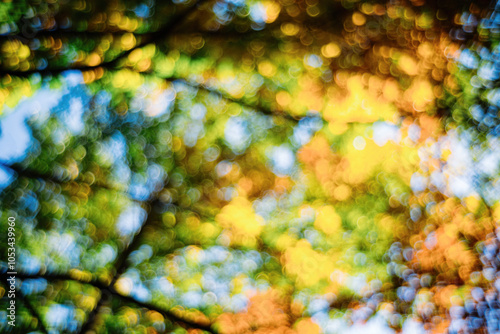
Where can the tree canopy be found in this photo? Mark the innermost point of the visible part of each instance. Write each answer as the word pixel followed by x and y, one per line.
pixel 240 166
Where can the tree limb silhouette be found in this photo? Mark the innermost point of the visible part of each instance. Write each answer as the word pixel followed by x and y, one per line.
pixel 113 292
pixel 25 300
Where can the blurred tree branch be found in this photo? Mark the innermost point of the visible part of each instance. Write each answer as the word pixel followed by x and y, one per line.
pixel 164 32
pixel 120 264
pixel 34 312
pixel 113 292
pixel 33 174
pixel 257 107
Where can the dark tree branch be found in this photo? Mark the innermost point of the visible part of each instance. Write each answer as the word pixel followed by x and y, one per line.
pixel 257 107
pixel 68 33
pixel 167 314
pixel 33 174
pixel 90 320
pixel 146 38
pixel 166 31
pixel 27 304
pixel 34 312
pixel 113 292
pixel 120 264
pixel 113 66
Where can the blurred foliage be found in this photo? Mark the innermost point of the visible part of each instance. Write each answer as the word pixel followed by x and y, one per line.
pixel 258 166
